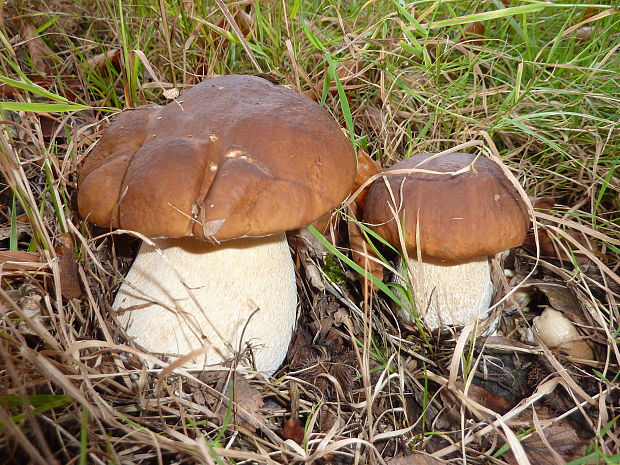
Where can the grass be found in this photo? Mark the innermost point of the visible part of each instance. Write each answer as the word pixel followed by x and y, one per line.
pixel 533 83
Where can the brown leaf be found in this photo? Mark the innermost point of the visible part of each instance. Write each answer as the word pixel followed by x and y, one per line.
pixel 348 74
pixel 50 126
pixel 70 88
pixel 491 401
pixel 552 246
pixel 246 406
pixel 99 62
pixel 477 394
pixel 309 251
pixel 243 20
pixel 562 440
pixel 69 280
pixel 292 430
pixel 374 117
pixel 473 33
pixel 366 169
pixel 543 203
pixel 40 54
pixel 327 419
pixel 347 70
pixel 588 13
pixel 561 298
pixel 360 250
pixel 416 459
pixel 363 254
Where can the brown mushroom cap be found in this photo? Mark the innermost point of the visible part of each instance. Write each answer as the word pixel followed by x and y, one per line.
pixel 234 156
pixel 460 217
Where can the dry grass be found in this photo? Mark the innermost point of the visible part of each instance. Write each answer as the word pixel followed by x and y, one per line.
pixel 538 89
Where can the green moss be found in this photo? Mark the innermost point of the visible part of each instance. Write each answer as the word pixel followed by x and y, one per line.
pixel 332 270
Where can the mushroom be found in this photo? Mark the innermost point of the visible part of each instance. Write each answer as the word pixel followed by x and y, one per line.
pixel 558 333
pixel 452 219
pixel 215 178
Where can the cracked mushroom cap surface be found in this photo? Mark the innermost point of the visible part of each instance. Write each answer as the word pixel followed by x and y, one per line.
pixel 459 217
pixel 234 156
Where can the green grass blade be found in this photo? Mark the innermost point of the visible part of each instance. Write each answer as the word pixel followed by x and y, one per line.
pixel 33 88
pixel 489 15
pixel 42 107
pixel 380 284
pixel 84 437
pixel 13 233
pixel 42 403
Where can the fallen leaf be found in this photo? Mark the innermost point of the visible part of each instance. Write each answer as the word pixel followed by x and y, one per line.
pixel 348 73
pixel 243 19
pixel 361 251
pixel 588 13
pixel 543 203
pixel 69 280
pixel 562 440
pixel 363 254
pixel 100 61
pixel 292 430
pixel 478 395
pixel 70 88
pixel 50 126
pixel 40 54
pixel 374 117
pixel 327 419
pixel 553 246
pixel 366 169
pixel 474 32
pixel 246 403
pixel 485 398
pixel 416 459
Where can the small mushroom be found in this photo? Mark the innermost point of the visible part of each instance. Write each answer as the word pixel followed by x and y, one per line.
pixel 453 219
pixel 558 333
pixel 215 178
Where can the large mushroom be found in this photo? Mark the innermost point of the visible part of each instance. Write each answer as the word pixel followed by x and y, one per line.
pixel 214 178
pixel 452 220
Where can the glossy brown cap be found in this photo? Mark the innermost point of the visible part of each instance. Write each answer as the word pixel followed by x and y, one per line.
pixel 234 156
pixel 460 217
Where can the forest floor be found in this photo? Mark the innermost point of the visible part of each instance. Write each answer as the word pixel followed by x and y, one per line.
pixel 532 83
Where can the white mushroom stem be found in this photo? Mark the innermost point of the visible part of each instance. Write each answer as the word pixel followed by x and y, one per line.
pixel 447 295
pixel 230 281
pixel 558 333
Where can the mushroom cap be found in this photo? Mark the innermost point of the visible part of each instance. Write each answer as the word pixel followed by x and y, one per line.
pixel 234 156
pixel 459 217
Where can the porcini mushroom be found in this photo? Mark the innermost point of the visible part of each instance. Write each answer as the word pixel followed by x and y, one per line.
pixel 215 178
pixel 451 224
